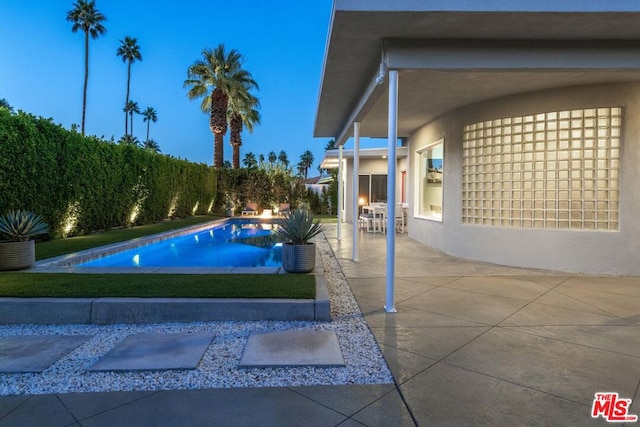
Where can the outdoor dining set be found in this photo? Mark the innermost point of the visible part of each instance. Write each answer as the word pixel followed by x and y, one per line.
pixel 373 217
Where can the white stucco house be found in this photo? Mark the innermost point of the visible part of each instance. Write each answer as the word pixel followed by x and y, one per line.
pixel 521 121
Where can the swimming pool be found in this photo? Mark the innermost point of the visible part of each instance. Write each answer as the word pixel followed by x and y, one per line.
pixel 234 243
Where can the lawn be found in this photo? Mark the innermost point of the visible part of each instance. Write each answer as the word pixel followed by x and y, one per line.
pixel 67 285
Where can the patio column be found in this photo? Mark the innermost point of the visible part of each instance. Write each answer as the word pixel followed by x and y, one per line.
pixel 391 191
pixel 356 189
pixel 339 190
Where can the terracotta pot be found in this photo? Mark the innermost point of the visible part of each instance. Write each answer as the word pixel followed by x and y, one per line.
pixel 299 258
pixel 17 255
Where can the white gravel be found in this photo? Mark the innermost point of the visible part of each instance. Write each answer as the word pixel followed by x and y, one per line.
pixel 219 366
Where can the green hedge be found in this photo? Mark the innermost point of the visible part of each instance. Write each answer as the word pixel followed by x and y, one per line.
pixel 60 174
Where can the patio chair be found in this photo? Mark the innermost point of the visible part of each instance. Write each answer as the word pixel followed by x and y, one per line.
pixel 284 209
pixel 250 209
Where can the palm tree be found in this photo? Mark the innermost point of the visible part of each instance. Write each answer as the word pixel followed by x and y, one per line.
pixel 272 157
pixel 5 104
pixel 214 77
pixel 306 160
pixel 150 115
pixel 130 140
pixel 130 52
pixel 242 113
pixel 86 17
pixel 250 160
pixel 282 156
pixel 151 145
pixel 130 108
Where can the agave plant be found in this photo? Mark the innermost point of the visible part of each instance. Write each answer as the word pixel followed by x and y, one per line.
pixel 298 227
pixel 20 225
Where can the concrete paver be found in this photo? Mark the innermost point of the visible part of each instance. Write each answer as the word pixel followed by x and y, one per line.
pixel 139 352
pixel 292 348
pixel 35 353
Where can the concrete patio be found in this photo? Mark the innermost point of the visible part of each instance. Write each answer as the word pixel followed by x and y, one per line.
pixel 471 344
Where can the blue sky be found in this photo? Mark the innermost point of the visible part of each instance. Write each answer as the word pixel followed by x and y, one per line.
pixel 283 42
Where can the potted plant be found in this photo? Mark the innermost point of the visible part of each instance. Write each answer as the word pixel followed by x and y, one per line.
pixel 19 251
pixel 298 254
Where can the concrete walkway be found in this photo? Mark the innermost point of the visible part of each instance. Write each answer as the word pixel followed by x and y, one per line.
pixel 471 344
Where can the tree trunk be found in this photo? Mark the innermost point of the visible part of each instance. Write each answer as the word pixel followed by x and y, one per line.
pixel 236 156
pixel 218 149
pixel 148 123
pixel 86 79
pixel 218 124
pixel 126 101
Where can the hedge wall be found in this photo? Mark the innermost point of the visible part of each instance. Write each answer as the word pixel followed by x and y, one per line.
pixel 81 184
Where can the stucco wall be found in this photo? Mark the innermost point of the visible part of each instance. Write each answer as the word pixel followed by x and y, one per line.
pixel 595 252
pixel 370 166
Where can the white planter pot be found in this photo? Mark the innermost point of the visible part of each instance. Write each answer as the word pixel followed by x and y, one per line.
pixel 17 255
pixel 298 258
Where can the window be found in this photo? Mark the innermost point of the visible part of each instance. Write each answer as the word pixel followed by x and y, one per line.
pixel 430 176
pixel 372 189
pixel 550 170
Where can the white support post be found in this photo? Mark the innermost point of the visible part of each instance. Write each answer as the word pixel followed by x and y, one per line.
pixel 391 191
pixel 340 184
pixel 356 189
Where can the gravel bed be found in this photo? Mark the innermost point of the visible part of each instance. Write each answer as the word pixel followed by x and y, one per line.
pixel 219 366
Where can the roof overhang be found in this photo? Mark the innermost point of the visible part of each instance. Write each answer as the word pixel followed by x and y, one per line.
pixel 331 160
pixel 454 53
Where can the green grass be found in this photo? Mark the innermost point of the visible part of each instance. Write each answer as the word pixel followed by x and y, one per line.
pixel 57 247
pixel 67 285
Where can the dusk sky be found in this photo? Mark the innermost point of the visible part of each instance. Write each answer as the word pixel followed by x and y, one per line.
pixel 282 41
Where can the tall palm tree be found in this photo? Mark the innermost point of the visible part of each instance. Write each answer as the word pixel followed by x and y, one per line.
pixel 306 160
pixel 242 112
pixel 150 115
pixel 130 52
pixel 86 17
pixel 213 77
pixel 131 108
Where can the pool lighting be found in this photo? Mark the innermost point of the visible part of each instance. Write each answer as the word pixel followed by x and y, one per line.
pixel 136 260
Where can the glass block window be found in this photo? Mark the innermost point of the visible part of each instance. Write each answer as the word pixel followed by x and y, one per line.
pixel 552 170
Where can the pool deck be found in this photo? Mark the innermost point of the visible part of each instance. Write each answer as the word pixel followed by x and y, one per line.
pixel 472 344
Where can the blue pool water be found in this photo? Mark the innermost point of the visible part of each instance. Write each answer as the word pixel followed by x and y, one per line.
pixel 236 244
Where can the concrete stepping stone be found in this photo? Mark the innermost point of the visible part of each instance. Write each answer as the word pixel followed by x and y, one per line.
pixel 35 353
pixel 146 352
pixel 292 348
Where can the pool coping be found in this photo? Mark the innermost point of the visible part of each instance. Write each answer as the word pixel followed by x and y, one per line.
pixel 108 310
